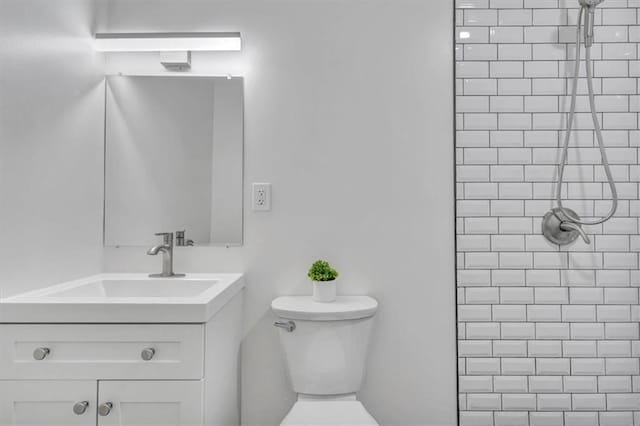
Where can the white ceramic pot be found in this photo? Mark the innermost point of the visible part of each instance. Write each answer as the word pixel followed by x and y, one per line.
pixel 324 291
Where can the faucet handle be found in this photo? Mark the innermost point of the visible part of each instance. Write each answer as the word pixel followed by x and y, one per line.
pixel 571 226
pixel 167 237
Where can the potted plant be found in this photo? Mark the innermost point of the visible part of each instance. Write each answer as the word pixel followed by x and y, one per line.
pixel 323 277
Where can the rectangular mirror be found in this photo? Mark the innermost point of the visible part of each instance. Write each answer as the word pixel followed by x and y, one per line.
pixel 173 159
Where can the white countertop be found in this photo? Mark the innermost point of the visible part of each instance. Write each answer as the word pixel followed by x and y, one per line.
pixel 125 298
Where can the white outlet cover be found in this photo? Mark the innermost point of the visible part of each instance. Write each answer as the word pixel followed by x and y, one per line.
pixel 261 196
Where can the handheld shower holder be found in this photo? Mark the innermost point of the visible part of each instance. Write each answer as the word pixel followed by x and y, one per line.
pixel 589 8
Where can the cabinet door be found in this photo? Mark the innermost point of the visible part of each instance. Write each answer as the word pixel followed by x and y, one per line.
pixel 47 403
pixel 157 403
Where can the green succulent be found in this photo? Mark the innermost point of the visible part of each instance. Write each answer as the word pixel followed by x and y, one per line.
pixel 322 271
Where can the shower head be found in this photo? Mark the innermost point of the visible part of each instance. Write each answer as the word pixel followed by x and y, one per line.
pixel 590 3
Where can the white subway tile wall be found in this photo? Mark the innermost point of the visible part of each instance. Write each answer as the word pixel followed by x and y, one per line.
pixel 548 335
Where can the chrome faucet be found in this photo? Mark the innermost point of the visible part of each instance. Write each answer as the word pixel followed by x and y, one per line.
pixel 166 248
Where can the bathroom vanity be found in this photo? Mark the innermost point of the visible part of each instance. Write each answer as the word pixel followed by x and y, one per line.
pixel 128 349
pixel 123 349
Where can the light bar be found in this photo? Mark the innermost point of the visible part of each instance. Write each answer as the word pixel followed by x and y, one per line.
pixel 167 42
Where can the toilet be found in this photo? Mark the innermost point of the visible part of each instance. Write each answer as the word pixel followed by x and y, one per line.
pixel 325 346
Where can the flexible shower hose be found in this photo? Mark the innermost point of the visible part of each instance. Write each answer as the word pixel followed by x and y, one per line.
pixel 598 132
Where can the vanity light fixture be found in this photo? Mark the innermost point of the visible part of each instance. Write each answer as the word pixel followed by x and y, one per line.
pixel 167 42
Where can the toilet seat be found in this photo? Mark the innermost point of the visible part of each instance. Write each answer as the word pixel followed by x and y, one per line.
pixel 334 413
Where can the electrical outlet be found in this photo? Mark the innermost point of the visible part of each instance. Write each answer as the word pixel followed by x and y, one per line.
pixel 262 197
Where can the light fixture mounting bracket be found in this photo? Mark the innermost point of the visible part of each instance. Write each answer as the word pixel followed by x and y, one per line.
pixel 176 61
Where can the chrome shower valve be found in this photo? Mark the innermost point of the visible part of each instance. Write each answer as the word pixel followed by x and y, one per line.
pixel 559 227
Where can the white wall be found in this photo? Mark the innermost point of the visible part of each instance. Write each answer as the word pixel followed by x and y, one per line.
pixel 349 115
pixel 51 103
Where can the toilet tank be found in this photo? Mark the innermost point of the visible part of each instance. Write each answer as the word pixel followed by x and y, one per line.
pixel 327 350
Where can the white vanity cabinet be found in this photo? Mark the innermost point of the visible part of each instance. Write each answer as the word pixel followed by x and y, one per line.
pixel 122 374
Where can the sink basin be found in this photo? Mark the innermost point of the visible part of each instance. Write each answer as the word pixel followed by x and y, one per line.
pixel 125 298
pixel 108 288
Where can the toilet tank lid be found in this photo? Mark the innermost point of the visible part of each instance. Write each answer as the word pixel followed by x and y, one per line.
pixel 305 308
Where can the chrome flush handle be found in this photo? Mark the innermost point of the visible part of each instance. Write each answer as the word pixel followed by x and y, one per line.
pixel 289 326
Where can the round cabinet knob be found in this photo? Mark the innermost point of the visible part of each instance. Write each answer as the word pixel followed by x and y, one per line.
pixel 105 409
pixel 147 354
pixel 41 353
pixel 80 407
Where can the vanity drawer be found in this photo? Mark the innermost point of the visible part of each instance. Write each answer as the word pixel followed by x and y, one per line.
pixel 101 351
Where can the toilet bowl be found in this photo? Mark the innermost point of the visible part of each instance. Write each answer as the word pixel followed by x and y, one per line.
pixel 315 413
pixel 325 347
